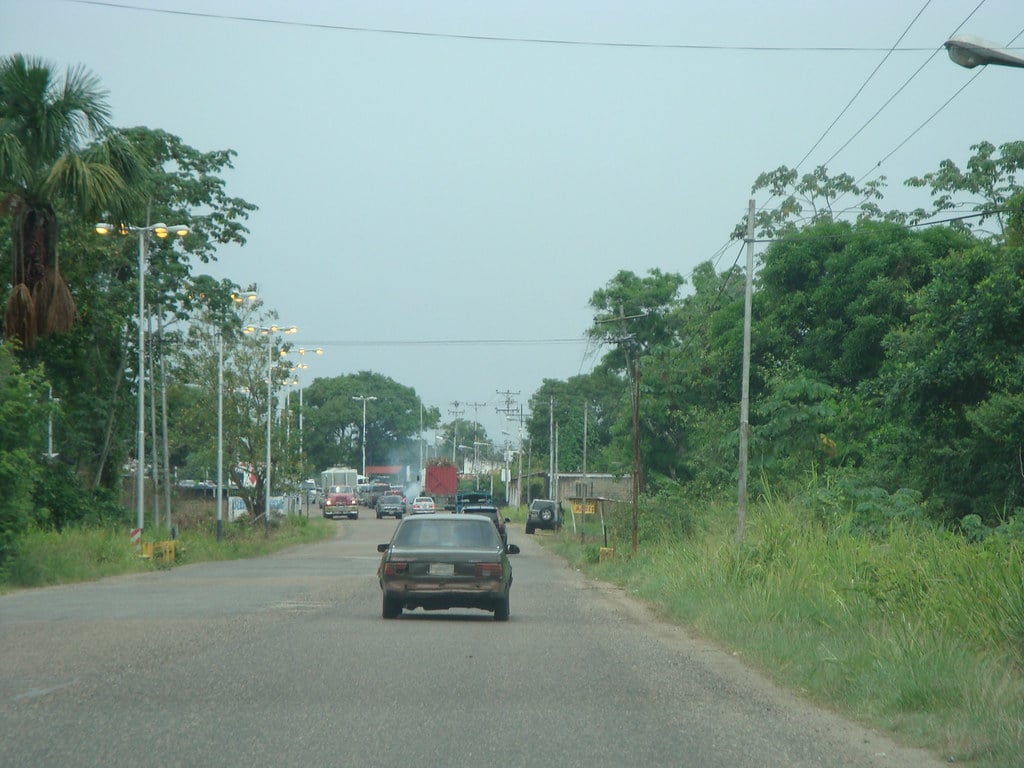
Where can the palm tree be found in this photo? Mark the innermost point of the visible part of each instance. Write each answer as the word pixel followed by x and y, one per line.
pixel 55 148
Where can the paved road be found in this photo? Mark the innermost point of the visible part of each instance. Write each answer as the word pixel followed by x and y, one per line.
pixel 285 661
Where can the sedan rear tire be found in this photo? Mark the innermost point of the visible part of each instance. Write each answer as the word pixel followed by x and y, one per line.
pixel 392 607
pixel 501 609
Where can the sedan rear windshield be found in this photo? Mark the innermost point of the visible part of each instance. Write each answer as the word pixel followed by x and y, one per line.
pixel 447 534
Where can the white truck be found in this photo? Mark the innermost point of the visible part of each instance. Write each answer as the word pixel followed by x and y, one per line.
pixel 339 476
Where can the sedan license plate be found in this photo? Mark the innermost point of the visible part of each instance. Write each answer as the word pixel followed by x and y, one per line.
pixel 442 569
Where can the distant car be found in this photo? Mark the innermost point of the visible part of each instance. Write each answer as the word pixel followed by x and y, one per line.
pixel 390 505
pixel 422 505
pixel 310 488
pixel 492 514
pixel 340 501
pixel 374 492
pixel 544 513
pixel 442 561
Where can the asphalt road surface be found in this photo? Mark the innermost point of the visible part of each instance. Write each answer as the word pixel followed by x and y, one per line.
pixel 286 661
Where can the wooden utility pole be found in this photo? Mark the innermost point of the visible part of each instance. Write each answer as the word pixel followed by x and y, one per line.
pixel 636 450
pixel 741 511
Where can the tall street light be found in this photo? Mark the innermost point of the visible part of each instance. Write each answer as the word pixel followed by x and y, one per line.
pixel 301 366
pixel 161 231
pixel 237 298
pixel 269 332
pixel 970 51
pixel 362 435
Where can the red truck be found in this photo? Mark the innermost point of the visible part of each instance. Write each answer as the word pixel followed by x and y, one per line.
pixel 442 483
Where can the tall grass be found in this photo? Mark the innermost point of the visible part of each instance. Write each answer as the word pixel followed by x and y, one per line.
pixel 914 630
pixel 86 553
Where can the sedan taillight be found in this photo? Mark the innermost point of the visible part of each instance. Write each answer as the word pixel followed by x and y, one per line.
pixel 395 567
pixel 489 570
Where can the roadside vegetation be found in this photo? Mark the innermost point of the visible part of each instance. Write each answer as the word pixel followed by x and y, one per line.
pixel 91 551
pixel 906 627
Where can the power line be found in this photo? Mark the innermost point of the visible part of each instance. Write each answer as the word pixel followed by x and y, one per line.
pixel 498 38
pixel 858 92
pixel 440 342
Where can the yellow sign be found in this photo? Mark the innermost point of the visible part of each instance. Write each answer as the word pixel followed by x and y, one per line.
pixel 577 505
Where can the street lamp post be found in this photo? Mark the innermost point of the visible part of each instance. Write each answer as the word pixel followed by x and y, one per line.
pixel 362 435
pixel 269 333
pixel 969 51
pixel 161 231
pixel 301 366
pixel 476 461
pixel 237 298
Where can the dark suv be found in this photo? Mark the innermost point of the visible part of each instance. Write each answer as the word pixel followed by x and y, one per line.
pixel 544 513
pixel 390 505
pixel 492 512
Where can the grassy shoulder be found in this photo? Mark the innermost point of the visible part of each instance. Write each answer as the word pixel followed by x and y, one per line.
pixel 917 632
pixel 45 558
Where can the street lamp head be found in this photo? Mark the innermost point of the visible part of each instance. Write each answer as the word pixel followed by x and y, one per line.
pixel 970 51
pixel 160 230
pixel 270 330
pixel 241 298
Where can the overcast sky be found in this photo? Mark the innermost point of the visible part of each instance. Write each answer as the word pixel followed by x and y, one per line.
pixel 442 184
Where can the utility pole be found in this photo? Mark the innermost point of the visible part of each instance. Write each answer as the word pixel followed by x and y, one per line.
pixel 476 438
pixel 456 412
pixel 509 411
pixel 519 481
pixel 583 501
pixel 741 511
pixel 551 449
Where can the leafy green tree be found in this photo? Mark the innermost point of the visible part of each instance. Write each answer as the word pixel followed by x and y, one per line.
pixel 460 432
pixel 989 185
pixel 954 376
pixel 23 418
pixel 828 296
pixel 690 388
pixel 812 198
pixel 216 315
pixel 55 147
pixel 604 392
pixel 631 315
pixel 333 421
pixel 60 161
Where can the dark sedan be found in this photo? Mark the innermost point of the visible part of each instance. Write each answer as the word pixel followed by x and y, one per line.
pixel 436 562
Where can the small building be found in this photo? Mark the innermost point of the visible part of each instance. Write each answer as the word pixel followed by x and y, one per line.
pixel 569 486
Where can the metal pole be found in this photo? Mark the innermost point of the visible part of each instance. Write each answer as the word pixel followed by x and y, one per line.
pixel 551 449
pixel 519 478
pixel 362 436
pixel 741 512
pixel 266 507
pixel 163 420
pixel 220 434
pixel 140 445
pixel 636 450
pixel 583 508
pixel 155 468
